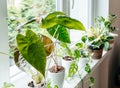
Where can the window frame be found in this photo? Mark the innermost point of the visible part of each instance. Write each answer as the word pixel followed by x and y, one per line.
pixel 4 68
pixel 4 61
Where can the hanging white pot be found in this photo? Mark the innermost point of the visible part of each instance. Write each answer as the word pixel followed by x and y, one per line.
pixel 66 64
pixel 56 78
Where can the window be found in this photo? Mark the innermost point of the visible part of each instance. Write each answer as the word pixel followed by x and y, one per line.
pixel 19 12
pixel 79 9
pixel 82 11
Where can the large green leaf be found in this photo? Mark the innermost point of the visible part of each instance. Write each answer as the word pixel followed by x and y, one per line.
pixel 48 23
pixel 51 19
pixel 54 15
pixel 70 23
pixel 59 18
pixel 59 33
pixel 32 49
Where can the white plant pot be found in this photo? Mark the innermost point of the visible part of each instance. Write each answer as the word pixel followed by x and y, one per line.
pixel 56 78
pixel 82 63
pixel 66 64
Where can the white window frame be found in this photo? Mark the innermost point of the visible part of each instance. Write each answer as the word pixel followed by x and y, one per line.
pixel 4 59
pixel 64 6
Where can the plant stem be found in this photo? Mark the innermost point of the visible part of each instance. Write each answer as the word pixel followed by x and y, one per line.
pixel 4 53
pixel 54 56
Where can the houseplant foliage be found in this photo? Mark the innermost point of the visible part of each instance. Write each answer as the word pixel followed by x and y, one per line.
pixel 32 49
pixel 24 11
pixel 57 24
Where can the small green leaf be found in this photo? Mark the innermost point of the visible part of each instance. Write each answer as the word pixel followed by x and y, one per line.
pixel 92 81
pixel 32 49
pixel 49 84
pixel 106 46
pixel 77 53
pixel 87 68
pixel 84 38
pixel 59 33
pixel 73 69
pixel 80 45
pixel 110 38
pixel 107 24
pixel 91 38
pixel 56 86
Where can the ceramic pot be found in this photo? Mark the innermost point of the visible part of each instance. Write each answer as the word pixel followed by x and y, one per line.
pixel 97 54
pixel 56 78
pixel 111 43
pixel 66 64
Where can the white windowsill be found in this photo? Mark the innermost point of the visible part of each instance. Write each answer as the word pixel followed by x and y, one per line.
pixel 76 80
pixel 21 80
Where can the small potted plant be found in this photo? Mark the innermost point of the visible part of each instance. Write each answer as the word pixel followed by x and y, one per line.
pixel 107 25
pixel 81 52
pixel 67 56
pixel 57 24
pixel 32 48
pixel 99 36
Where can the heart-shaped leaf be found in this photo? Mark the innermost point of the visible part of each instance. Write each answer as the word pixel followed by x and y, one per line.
pixel 59 18
pixel 32 49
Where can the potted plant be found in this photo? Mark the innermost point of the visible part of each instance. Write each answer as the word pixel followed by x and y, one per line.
pixel 32 48
pixel 82 53
pixel 57 24
pixel 83 58
pixel 99 36
pixel 107 25
pixel 67 56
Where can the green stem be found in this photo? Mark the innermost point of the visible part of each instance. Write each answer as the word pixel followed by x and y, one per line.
pixel 4 53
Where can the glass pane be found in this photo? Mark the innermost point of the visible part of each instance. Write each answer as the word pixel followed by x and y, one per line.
pixel 79 10
pixel 21 11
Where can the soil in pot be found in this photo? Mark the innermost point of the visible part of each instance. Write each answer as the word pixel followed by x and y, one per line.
pixel 68 58
pixel 56 77
pixel 57 69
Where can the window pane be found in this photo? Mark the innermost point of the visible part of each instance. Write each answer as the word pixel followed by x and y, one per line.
pixel 79 10
pixel 21 11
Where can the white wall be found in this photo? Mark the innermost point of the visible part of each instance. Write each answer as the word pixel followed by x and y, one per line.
pixel 101 8
pixel 4 60
pixel 114 8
